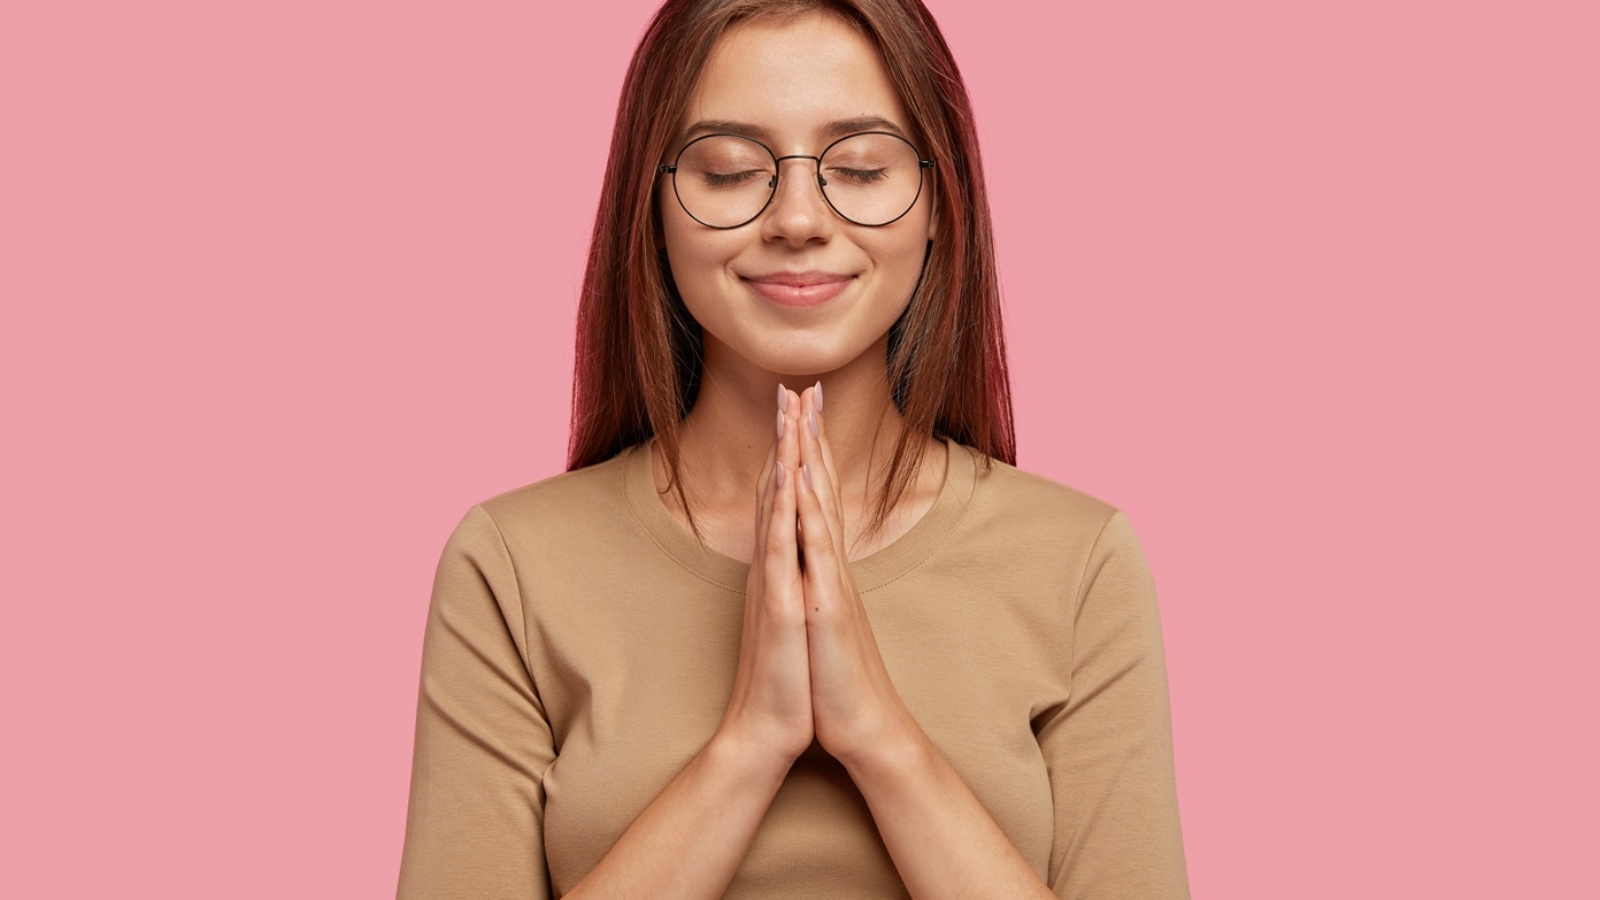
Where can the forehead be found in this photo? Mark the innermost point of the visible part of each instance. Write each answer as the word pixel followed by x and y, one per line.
pixel 794 79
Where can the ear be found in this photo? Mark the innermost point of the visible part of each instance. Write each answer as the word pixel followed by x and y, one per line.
pixel 933 206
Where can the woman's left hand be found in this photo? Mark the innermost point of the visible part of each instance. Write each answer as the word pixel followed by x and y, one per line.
pixel 855 707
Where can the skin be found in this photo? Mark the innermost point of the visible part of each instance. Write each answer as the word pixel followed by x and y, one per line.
pixel 776 479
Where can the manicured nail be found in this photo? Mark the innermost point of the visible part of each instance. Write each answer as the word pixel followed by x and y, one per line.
pixel 777 477
pixel 816 393
pixel 814 431
pixel 783 399
pixel 805 468
pixel 781 423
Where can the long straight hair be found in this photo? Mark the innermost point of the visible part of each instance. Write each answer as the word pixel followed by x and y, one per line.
pixel 639 352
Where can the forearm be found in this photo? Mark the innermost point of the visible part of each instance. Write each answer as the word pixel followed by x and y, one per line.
pixel 943 842
pixel 691 839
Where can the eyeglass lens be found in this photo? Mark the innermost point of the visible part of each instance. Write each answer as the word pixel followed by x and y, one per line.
pixel 724 180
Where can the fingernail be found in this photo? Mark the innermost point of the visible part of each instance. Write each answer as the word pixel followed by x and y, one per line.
pixel 805 468
pixel 781 423
pixel 777 477
pixel 783 399
pixel 814 431
pixel 816 392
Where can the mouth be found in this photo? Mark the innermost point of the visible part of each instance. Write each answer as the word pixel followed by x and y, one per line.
pixel 798 289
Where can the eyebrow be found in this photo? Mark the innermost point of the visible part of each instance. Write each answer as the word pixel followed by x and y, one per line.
pixel 831 131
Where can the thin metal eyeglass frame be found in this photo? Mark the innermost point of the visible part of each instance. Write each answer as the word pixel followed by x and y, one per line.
pixel 777 174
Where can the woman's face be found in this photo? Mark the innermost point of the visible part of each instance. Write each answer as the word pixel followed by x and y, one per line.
pixel 799 290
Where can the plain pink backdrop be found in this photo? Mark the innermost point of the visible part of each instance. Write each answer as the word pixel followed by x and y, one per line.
pixel 1309 289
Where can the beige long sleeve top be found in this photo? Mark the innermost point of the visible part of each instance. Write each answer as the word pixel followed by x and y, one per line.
pixel 580 649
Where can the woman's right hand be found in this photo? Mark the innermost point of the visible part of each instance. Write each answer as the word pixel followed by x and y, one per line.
pixel 770 710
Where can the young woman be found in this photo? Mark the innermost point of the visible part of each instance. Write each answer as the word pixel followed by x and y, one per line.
pixel 793 625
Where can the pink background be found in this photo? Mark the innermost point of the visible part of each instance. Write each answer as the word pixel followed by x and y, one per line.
pixel 1308 289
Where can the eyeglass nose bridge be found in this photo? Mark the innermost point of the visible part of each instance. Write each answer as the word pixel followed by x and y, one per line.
pixel 777 174
pixel 778 170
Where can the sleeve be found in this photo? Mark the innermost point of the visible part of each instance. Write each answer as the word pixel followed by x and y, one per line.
pixel 475 822
pixel 1108 747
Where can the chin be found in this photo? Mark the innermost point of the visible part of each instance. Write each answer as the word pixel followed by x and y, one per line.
pixel 804 365
pixel 798 358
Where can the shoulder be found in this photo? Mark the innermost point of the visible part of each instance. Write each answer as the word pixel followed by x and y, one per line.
pixel 1004 492
pixel 1054 531
pixel 1016 512
pixel 549 512
pixel 563 493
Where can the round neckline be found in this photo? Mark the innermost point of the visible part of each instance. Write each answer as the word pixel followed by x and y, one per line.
pixel 872 571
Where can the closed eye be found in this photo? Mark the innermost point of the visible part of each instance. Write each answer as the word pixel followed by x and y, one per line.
pixel 732 179
pixel 861 176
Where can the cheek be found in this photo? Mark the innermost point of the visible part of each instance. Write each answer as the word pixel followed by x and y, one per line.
pixel 698 259
pixel 902 257
pixel 684 247
pixel 669 218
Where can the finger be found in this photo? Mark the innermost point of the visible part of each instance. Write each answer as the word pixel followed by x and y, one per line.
pixel 786 454
pixel 766 481
pixel 780 558
pixel 789 447
pixel 817 539
pixel 827 449
pixel 811 456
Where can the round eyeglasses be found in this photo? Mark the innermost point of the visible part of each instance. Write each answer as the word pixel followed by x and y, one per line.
pixel 871 178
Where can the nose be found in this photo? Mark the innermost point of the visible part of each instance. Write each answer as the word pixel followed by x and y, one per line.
pixel 798 214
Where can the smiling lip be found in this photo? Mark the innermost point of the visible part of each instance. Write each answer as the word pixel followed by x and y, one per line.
pixel 799 288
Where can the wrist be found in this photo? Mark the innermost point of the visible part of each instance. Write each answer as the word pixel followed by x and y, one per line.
pixel 735 748
pixel 902 750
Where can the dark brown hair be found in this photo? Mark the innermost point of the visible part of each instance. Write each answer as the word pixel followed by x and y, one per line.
pixel 639 351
